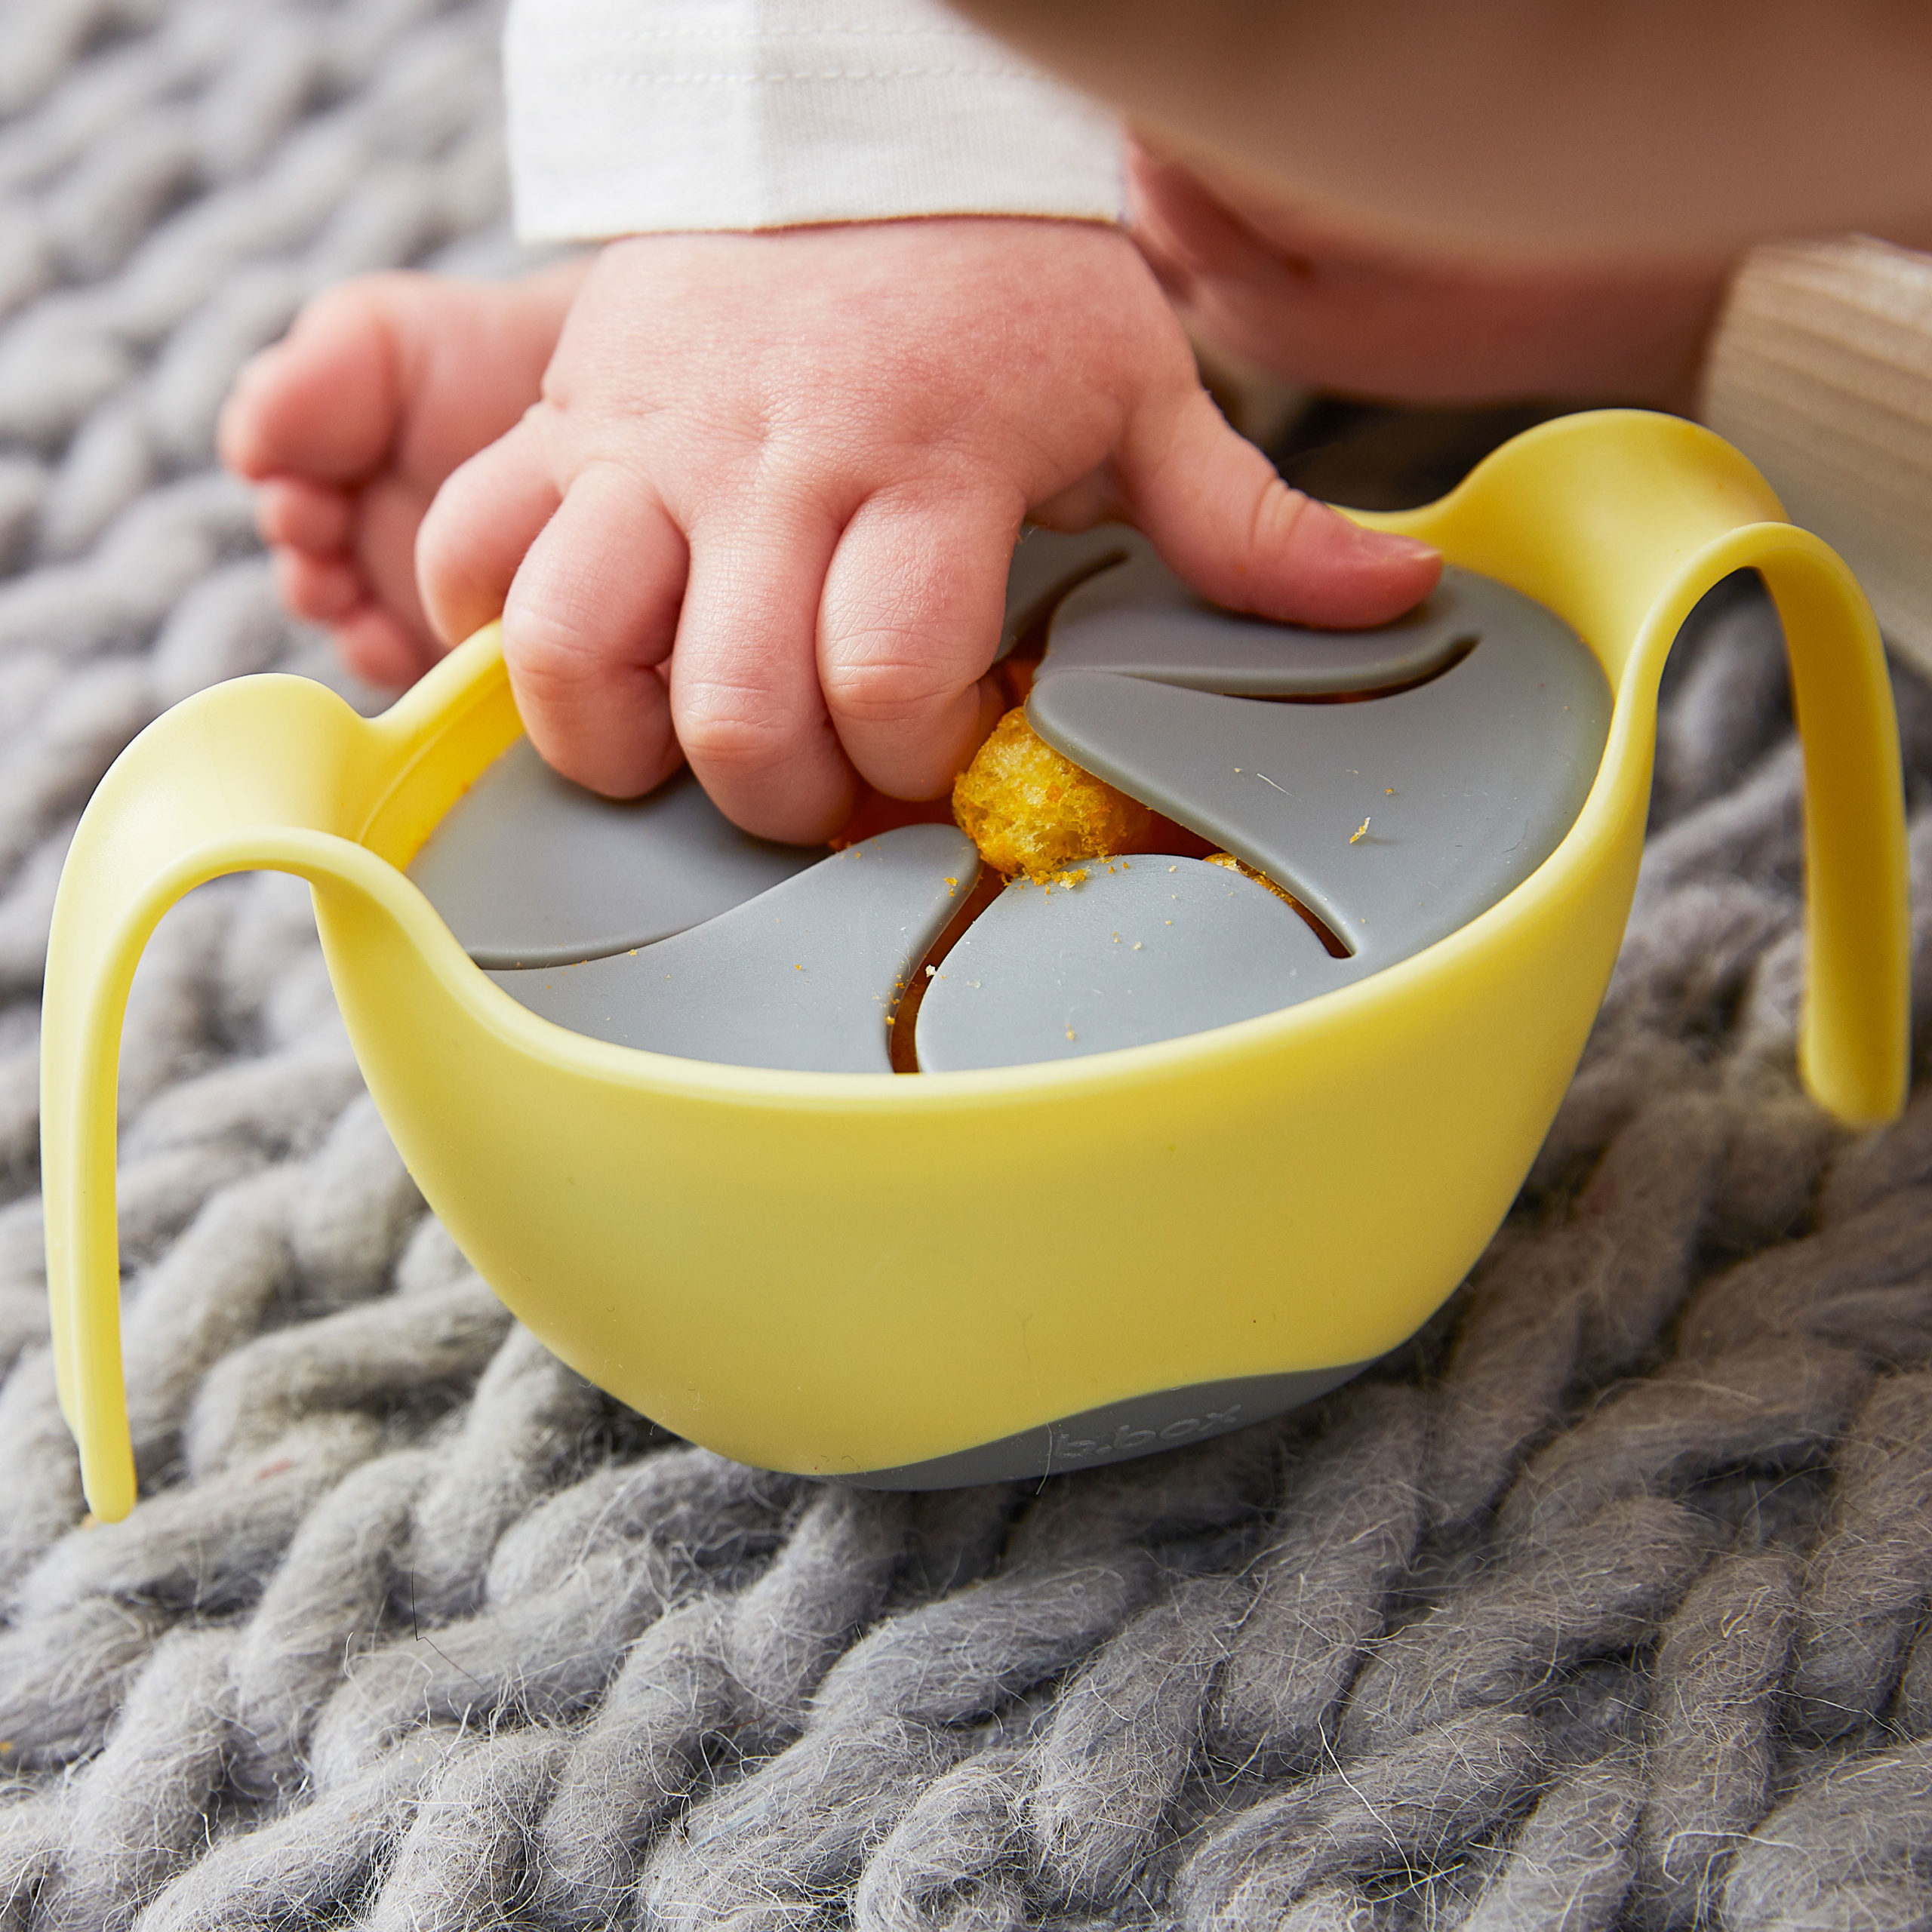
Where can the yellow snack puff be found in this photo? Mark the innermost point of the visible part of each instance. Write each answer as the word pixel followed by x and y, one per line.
pixel 1030 810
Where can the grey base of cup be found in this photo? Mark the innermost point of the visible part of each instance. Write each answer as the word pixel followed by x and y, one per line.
pixel 1116 1433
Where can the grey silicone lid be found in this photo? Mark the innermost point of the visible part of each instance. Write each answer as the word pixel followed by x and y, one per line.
pixel 802 977
pixel 1143 949
pixel 1396 819
pixel 1203 649
pixel 528 869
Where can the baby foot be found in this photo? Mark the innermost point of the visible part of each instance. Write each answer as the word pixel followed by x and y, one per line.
pixel 351 422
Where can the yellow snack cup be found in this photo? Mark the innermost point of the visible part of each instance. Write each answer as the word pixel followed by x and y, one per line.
pixel 795 1269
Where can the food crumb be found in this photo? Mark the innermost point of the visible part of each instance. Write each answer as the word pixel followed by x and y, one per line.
pixel 1358 832
pixel 1228 861
pixel 1070 1033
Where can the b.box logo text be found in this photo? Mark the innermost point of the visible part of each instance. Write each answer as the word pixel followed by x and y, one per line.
pixel 1126 1439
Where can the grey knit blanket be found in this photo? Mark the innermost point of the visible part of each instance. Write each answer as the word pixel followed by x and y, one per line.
pixel 1603 1603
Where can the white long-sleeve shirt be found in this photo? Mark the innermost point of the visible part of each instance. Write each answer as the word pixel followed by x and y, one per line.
pixel 648 116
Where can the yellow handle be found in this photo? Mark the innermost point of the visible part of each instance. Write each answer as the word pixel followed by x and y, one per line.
pixel 1620 520
pixel 1854 1036
pixel 268 773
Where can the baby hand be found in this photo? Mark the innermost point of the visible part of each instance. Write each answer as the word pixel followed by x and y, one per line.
pixel 803 458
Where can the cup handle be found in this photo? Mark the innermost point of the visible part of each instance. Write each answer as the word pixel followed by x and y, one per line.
pixel 1620 520
pixel 272 772
pixel 1855 1032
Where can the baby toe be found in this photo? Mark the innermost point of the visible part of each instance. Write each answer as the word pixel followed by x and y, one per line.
pixel 320 589
pixel 380 649
pixel 326 403
pixel 311 517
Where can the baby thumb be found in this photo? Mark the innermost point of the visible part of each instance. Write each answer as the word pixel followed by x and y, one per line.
pixel 1218 514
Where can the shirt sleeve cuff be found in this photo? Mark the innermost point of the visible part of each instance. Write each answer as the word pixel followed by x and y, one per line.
pixel 649 116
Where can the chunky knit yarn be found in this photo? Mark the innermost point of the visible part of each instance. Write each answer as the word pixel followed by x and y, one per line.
pixel 1602 1603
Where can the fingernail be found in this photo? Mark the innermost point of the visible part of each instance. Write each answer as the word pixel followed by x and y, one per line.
pixel 1405 547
